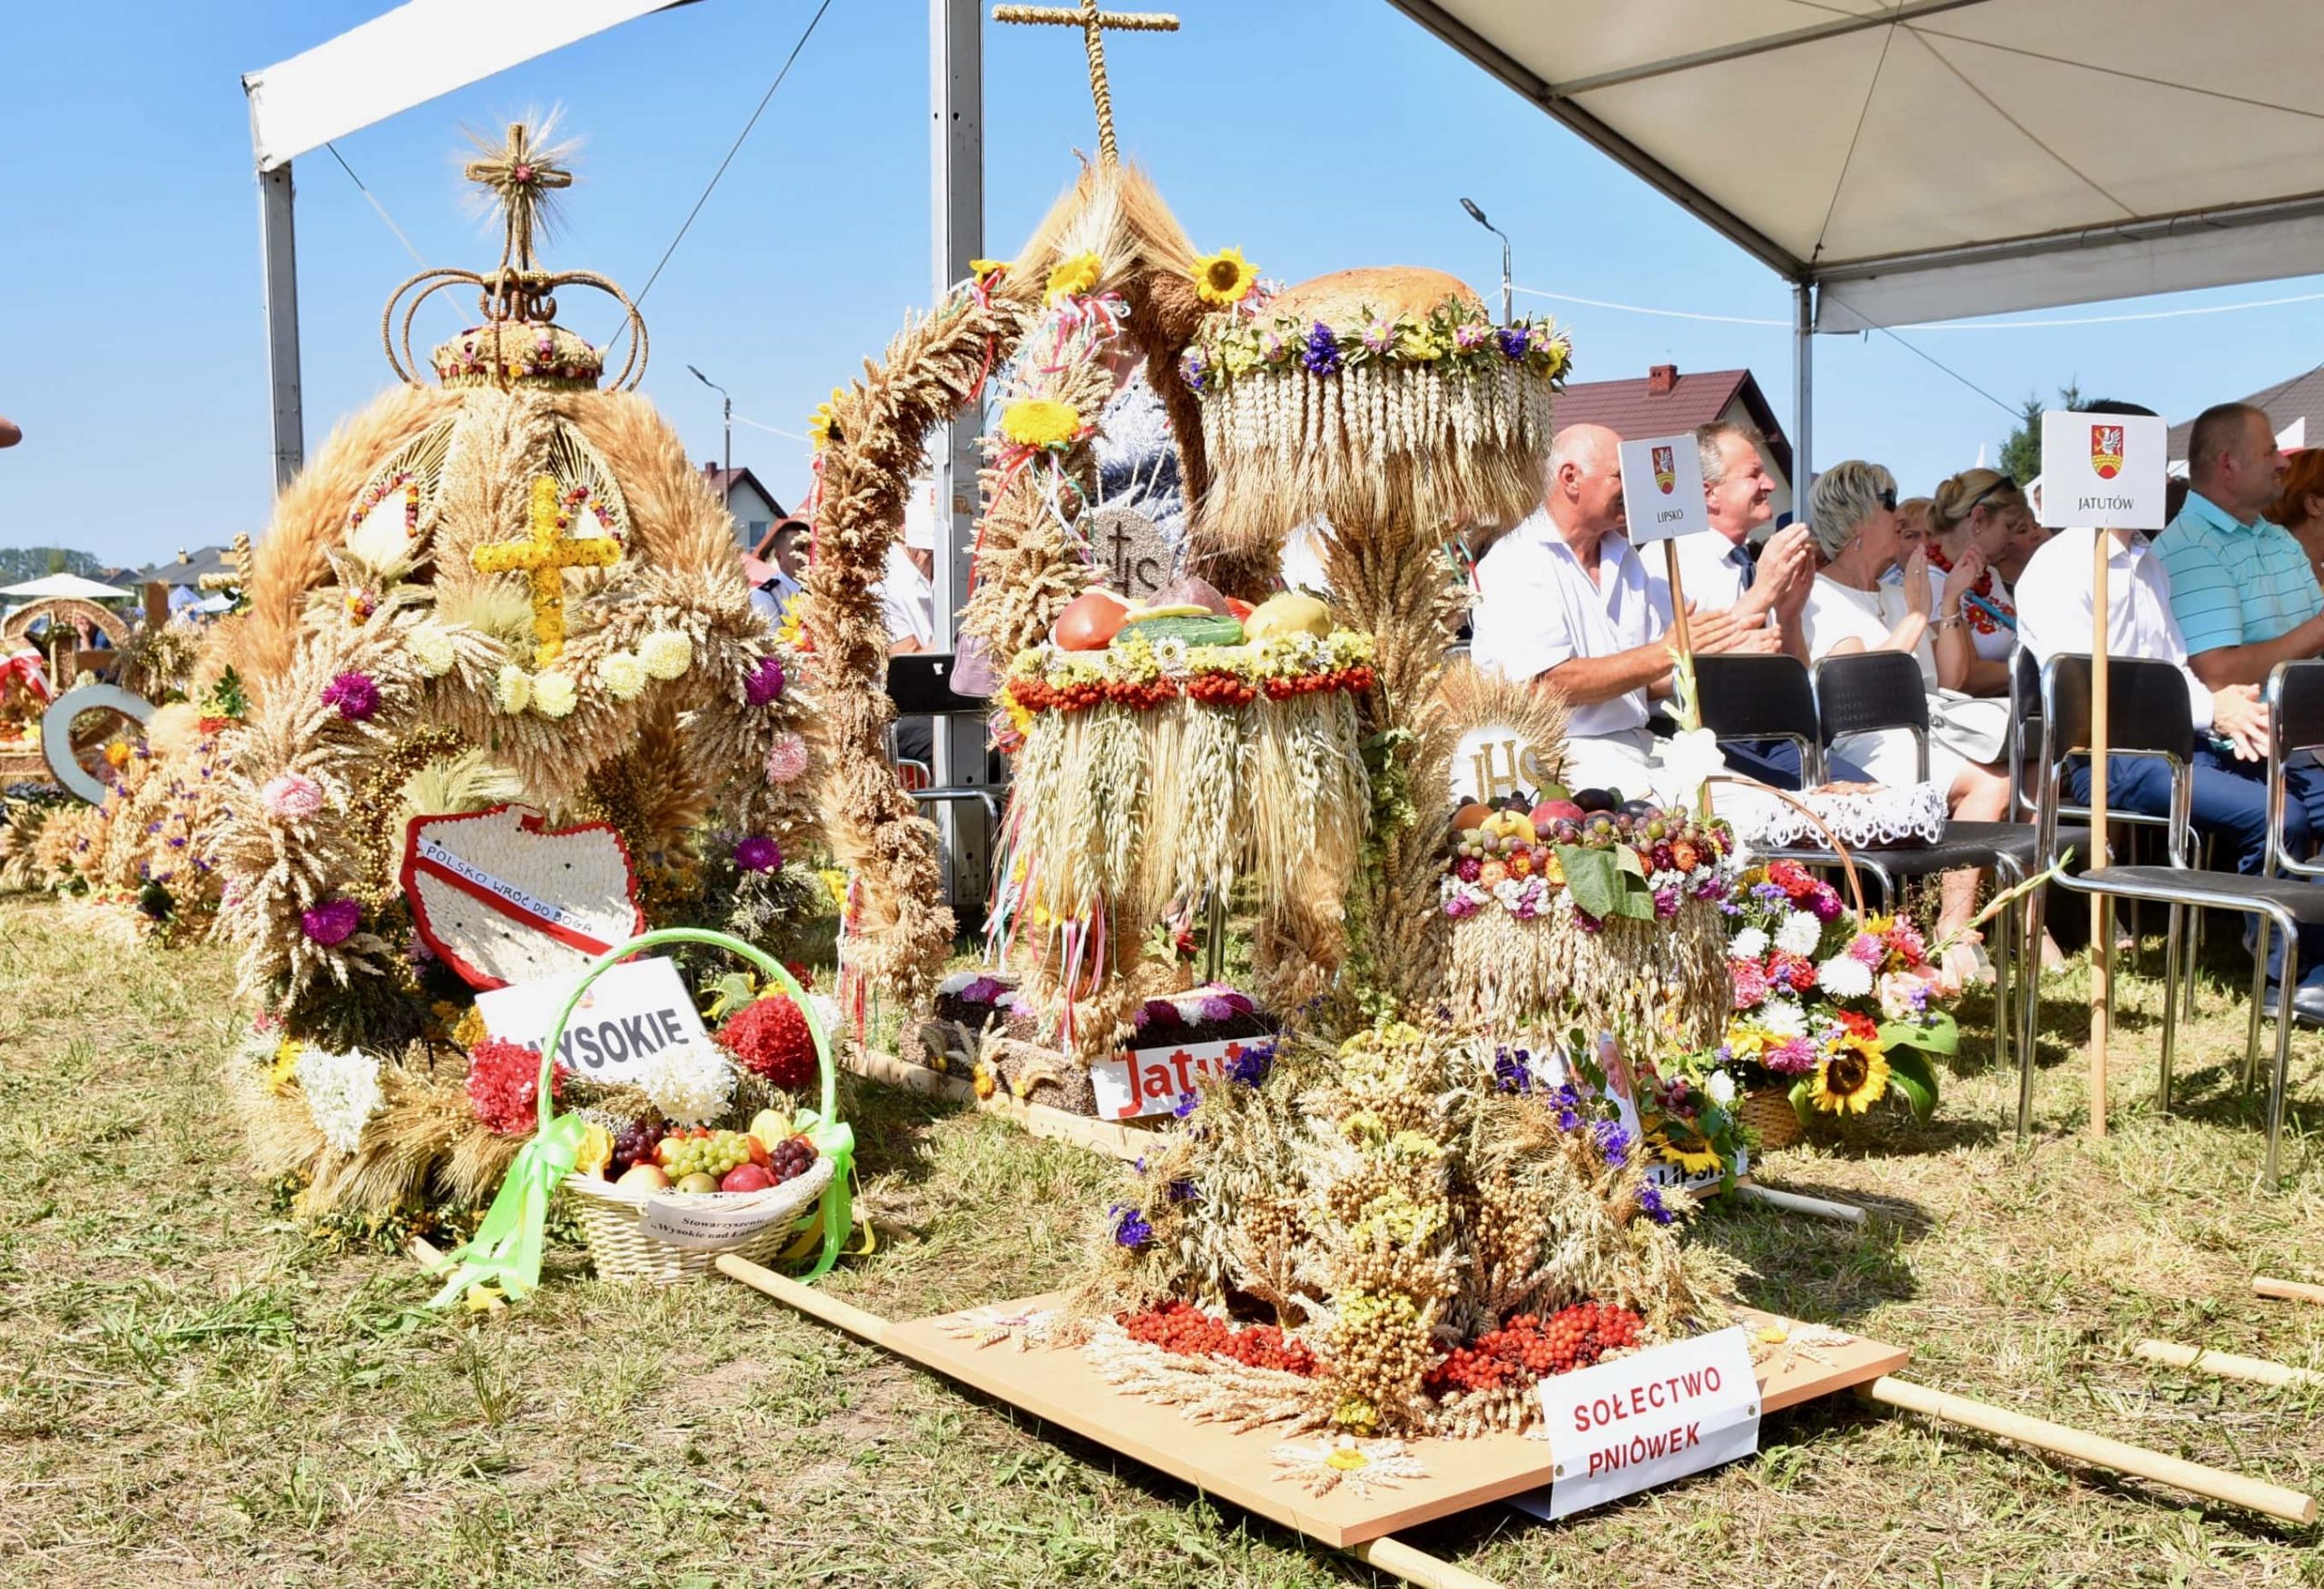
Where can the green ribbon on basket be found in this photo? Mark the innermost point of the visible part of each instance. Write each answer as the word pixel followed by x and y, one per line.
pixel 835 1141
pixel 506 1252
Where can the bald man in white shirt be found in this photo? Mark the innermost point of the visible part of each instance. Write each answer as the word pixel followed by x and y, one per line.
pixel 1563 600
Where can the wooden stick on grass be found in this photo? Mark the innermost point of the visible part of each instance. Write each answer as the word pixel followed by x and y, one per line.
pixel 1797 1203
pixel 2287 1290
pixel 2212 1483
pixel 2227 1365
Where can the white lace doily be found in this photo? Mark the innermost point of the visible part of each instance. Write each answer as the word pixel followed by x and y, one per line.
pixel 1868 816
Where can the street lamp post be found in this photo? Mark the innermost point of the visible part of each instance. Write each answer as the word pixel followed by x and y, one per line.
pixel 1507 316
pixel 729 402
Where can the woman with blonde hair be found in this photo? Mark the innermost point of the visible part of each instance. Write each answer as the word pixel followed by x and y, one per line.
pixel 1977 519
pixel 1852 511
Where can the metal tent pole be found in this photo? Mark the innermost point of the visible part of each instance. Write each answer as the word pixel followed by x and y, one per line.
pixel 1803 394
pixel 278 255
pixel 956 117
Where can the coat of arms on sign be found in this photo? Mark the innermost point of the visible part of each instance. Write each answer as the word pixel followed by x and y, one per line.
pixel 1666 468
pixel 501 898
pixel 2106 451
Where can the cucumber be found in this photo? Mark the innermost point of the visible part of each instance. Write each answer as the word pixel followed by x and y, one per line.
pixel 1207 629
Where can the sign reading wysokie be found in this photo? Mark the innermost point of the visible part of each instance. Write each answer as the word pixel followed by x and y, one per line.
pixel 2103 471
pixel 630 1014
pixel 1641 1421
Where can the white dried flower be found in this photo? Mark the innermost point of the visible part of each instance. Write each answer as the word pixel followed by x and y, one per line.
pixel 554 695
pixel 514 689
pixel 1748 944
pixel 342 1091
pixel 690 1083
pixel 1845 977
pixel 430 645
pixel 1800 934
pixel 623 675
pixel 1720 1088
pixel 666 653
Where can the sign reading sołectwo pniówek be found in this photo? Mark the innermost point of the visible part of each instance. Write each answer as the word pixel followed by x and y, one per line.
pixel 633 1012
pixel 1646 1420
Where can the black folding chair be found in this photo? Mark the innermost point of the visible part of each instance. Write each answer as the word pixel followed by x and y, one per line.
pixel 920 683
pixel 2295 724
pixel 1760 698
pixel 2147 715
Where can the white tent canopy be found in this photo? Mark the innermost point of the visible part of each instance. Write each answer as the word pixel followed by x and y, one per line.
pixel 1933 159
pixel 52 587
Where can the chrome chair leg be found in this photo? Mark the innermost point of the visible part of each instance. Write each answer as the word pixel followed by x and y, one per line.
pixel 2271 1174
pixel 2029 1019
pixel 2170 1004
pixel 2259 997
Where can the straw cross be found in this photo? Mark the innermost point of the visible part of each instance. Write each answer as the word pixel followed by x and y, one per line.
pixel 520 175
pixel 1093 23
pixel 545 554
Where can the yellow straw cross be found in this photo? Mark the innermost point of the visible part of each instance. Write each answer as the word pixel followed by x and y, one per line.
pixel 546 554
pixel 1093 23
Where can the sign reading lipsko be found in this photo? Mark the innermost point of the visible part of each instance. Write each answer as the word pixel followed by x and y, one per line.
pixel 1642 1421
pixel 1662 487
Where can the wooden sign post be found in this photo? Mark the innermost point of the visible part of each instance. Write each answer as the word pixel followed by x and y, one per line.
pixel 1662 497
pixel 2107 471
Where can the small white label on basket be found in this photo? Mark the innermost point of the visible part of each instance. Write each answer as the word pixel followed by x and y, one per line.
pixel 696 1223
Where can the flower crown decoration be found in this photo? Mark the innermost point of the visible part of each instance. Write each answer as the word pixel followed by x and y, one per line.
pixel 1454 338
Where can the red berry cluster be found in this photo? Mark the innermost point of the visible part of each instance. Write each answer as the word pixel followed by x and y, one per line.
pixel 1525 1348
pixel 504 1086
pixel 1187 1330
pixel 1355 680
pixel 771 1038
pixel 1221 689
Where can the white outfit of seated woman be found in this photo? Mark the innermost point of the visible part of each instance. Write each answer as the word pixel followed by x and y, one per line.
pixel 1852 511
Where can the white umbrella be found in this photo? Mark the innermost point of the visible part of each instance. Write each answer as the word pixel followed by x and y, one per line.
pixel 65 585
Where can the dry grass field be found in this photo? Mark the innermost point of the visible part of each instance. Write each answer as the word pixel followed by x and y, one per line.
pixel 192 1392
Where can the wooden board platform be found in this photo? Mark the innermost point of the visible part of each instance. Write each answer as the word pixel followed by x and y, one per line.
pixel 1062 1386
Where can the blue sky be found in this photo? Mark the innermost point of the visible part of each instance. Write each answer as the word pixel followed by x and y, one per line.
pixel 1314 134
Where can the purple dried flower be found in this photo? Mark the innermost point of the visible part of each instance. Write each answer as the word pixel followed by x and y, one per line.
pixel 1130 1228
pixel 1469 869
pixel 1509 1073
pixel 1321 354
pixel 1650 1203
pixel 355 695
pixel 1251 1066
pixel 1826 905
pixel 331 923
pixel 1186 1104
pixel 1182 1191
pixel 765 687
pixel 1216 1007
pixel 1614 1141
pixel 1586 922
pixel 1666 903
pixel 758 854
pixel 1516 339
pixel 1194 370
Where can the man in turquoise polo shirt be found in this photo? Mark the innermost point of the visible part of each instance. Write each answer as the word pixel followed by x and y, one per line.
pixel 2246 597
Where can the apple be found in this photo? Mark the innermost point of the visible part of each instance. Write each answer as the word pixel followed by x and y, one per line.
pixel 746 1177
pixel 698 1182
pixel 1550 813
pixel 645 1177
pixel 1471 816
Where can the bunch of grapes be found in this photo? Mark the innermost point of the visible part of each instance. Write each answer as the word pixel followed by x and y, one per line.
pixel 1526 1348
pixel 634 1144
pixel 704 1152
pixel 1187 1330
pixel 789 1158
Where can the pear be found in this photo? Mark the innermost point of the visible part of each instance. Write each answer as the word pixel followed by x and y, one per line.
pixel 771 1126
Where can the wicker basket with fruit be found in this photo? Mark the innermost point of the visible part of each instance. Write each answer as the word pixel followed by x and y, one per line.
pixel 661 1205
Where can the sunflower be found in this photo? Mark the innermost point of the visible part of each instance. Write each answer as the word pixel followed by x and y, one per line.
pixel 1041 422
pixel 1073 276
pixel 1854 1079
pixel 1225 277
pixel 1699 1159
pixel 823 427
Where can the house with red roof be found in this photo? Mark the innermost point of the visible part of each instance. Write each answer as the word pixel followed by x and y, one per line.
pixel 1665 402
pixel 754 510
